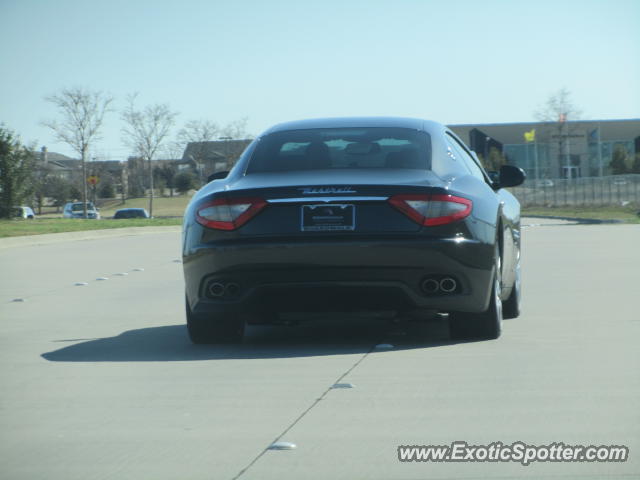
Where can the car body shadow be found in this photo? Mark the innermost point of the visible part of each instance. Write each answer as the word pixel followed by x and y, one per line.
pixel 332 337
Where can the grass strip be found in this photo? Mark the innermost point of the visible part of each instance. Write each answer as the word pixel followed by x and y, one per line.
pixel 39 226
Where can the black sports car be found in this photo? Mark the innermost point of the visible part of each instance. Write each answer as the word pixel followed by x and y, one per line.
pixel 353 214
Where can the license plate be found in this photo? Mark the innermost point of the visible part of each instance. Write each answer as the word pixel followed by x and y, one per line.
pixel 328 217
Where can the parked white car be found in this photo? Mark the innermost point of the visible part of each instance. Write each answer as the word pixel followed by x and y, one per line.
pixel 76 210
pixel 24 212
pixel 544 182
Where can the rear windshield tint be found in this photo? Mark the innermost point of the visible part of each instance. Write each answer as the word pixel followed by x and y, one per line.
pixel 77 207
pixel 342 148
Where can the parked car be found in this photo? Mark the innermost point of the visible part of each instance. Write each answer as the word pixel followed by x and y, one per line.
pixel 620 181
pixel 24 212
pixel 353 214
pixel 544 182
pixel 131 213
pixel 76 210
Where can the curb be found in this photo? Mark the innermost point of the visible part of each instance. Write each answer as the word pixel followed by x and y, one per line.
pixel 52 238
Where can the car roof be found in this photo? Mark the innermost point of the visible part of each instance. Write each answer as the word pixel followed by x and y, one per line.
pixel 355 122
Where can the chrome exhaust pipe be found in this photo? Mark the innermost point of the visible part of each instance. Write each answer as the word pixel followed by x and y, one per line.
pixel 216 289
pixel 448 284
pixel 232 289
pixel 430 286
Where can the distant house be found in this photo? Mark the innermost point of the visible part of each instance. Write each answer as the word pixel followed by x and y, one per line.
pixel 55 164
pixel 52 164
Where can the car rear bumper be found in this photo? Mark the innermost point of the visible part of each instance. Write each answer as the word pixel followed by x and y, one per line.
pixel 381 274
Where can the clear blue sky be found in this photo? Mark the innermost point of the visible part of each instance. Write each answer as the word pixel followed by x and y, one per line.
pixel 452 61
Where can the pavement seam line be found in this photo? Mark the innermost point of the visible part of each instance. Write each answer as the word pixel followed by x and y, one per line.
pixel 303 414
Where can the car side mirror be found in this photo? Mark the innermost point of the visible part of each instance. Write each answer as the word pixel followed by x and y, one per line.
pixel 217 176
pixel 494 177
pixel 510 176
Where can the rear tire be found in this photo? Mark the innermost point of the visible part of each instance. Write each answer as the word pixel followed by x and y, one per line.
pixel 209 329
pixel 486 325
pixel 511 306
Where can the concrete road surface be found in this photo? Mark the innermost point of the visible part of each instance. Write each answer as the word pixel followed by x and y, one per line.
pixel 99 381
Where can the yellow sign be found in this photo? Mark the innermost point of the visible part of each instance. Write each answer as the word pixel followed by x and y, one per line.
pixel 530 136
pixel 93 180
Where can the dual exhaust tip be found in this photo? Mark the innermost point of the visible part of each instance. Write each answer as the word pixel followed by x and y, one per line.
pixel 434 286
pixel 219 289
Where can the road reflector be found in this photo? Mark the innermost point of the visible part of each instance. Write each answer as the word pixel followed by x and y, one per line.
pixel 121 274
pixel 18 300
pixel 343 385
pixel 81 284
pixel 282 446
pixel 138 269
pixel 99 279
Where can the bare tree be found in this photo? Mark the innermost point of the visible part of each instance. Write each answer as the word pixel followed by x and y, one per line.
pixel 82 112
pixel 236 130
pixel 198 131
pixel 145 132
pixel 559 108
pixel 557 112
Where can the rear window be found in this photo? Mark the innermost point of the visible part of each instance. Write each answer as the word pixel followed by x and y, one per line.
pixel 342 148
pixel 77 207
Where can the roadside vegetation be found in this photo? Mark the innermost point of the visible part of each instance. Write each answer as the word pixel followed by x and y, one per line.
pixel 167 211
pixel 16 228
pixel 628 214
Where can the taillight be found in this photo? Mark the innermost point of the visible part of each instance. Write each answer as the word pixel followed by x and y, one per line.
pixel 228 213
pixel 432 210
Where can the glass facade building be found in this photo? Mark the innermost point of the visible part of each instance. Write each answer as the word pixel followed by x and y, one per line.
pixel 534 158
pixel 571 149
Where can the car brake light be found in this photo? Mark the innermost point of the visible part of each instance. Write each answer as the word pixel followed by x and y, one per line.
pixel 228 213
pixel 432 210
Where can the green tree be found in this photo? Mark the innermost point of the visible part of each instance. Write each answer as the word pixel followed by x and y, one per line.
pixel 620 161
pixel 59 190
pixel 107 190
pixel 16 172
pixel 167 173
pixel 184 182
pixel 39 181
